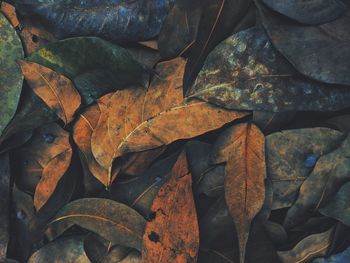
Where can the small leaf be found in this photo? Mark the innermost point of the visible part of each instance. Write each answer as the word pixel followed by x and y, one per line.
pixel 113 221
pixel 56 90
pixel 242 147
pixel 165 240
pixel 313 246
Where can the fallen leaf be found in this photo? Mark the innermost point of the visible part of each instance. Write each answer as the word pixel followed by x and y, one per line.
pixel 338 206
pixel 9 12
pixel 119 21
pixel 308 12
pixel 242 147
pixel 165 240
pixel 269 122
pixel 244 72
pixel 338 258
pixel 67 249
pixel 56 90
pixel 330 172
pixel 4 204
pixel 11 78
pixel 313 246
pixel 47 156
pixel 291 157
pixel 113 221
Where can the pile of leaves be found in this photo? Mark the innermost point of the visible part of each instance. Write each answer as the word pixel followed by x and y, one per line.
pixel 175 131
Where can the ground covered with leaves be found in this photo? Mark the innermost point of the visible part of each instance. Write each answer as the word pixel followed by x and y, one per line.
pixel 210 131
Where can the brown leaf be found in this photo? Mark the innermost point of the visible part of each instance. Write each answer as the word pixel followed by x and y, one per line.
pixel 10 12
pixel 47 155
pixel 56 90
pixel 173 235
pixel 313 246
pixel 243 148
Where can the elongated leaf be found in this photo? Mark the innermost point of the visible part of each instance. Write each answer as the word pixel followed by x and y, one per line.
pixel 111 19
pixel 330 172
pixel 308 12
pixel 319 52
pixel 338 206
pixel 47 156
pixel 4 204
pixel 165 240
pixel 313 246
pixel 244 72
pixel 113 221
pixel 11 78
pixel 56 90
pixel 69 249
pixel 242 147
pixel 127 109
pixel 291 157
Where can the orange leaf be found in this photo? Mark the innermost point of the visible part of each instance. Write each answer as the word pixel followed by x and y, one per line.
pixel 173 235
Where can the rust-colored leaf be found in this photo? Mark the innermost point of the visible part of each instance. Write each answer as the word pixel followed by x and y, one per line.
pixel 47 156
pixel 10 12
pixel 56 90
pixel 173 235
pixel 242 147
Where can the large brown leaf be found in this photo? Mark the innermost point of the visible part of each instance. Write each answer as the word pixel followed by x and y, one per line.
pixel 242 147
pixel 47 156
pixel 56 90
pixel 113 221
pixel 173 235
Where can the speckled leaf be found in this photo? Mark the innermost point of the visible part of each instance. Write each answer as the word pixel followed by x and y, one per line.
pixel 94 65
pixel 338 206
pixel 319 52
pixel 292 155
pixel 313 246
pixel 245 72
pixel 11 78
pixel 113 221
pixel 308 12
pixel 111 19
pixel 330 172
pixel 68 249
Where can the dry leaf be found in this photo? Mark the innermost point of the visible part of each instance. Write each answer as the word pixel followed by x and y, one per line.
pixel 243 148
pixel 172 235
pixel 56 90
pixel 10 12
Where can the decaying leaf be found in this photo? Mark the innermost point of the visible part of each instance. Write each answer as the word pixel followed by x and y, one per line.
pixel 68 249
pixel 242 147
pixel 313 246
pixel 165 240
pixel 291 157
pixel 330 172
pixel 47 157
pixel 56 90
pixel 4 204
pixel 11 78
pixel 114 221
pixel 244 72
pixel 9 12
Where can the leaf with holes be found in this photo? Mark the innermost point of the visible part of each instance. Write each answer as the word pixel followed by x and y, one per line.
pixel 46 156
pixel 165 240
pixel 56 90
pixel 242 147
pixel 113 221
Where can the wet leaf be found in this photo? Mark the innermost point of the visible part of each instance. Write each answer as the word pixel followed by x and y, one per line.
pixel 116 20
pixel 68 249
pixel 242 147
pixel 310 247
pixel 291 157
pixel 165 240
pixel 11 78
pixel 4 204
pixel 338 206
pixel 56 90
pixel 47 156
pixel 319 52
pixel 113 221
pixel 330 172
pixel 244 72
pixel 308 12
pixel 96 73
